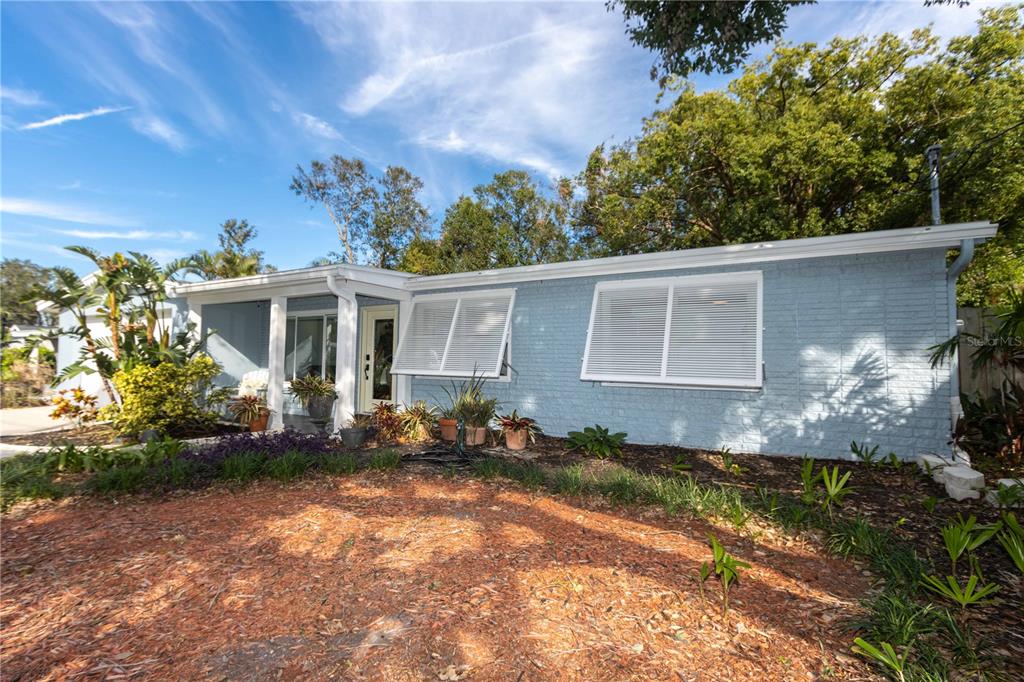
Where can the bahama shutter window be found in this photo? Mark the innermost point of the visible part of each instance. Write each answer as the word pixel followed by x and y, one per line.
pixel 456 335
pixel 703 330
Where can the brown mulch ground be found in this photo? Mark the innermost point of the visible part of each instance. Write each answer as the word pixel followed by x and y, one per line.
pixel 403 576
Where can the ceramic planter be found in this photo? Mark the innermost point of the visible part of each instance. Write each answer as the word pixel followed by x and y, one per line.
pixel 260 424
pixel 516 440
pixel 476 435
pixel 353 437
pixel 449 429
pixel 320 408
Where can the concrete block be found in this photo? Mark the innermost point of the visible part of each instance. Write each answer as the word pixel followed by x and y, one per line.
pixel 959 494
pixel 965 477
pixel 933 465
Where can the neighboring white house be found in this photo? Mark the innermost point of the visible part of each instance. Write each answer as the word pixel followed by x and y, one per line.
pixel 792 347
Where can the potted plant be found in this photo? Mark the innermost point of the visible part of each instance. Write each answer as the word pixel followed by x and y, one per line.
pixel 459 396
pixel 250 410
pixel 517 429
pixel 477 412
pixel 354 434
pixel 449 424
pixel 316 394
pixel 417 420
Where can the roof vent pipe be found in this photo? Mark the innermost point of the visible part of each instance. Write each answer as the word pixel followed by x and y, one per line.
pixel 934 153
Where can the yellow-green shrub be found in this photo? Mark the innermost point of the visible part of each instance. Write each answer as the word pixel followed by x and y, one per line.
pixel 167 397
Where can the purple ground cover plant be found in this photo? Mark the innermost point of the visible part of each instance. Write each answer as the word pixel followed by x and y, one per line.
pixel 271 444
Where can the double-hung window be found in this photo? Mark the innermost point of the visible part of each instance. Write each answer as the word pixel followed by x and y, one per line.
pixel 457 335
pixel 701 330
pixel 310 345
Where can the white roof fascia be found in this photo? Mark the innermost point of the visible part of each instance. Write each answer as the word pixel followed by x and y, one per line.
pixel 933 236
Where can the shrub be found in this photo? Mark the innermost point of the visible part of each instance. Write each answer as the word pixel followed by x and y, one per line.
pixel 386 421
pixel 386 459
pixel 597 442
pixel 76 405
pixel 167 397
pixel 269 444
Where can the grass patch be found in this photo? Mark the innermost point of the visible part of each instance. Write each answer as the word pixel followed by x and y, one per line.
pixel 242 467
pixel 385 460
pixel 124 479
pixel 288 466
pixel 340 465
pixel 569 480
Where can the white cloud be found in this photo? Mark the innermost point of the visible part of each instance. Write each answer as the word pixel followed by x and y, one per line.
pixel 160 130
pixel 65 118
pixel 526 85
pixel 318 127
pixel 25 98
pixel 165 235
pixel 61 212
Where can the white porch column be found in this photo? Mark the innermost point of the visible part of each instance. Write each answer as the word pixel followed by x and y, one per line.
pixel 403 382
pixel 345 381
pixel 275 379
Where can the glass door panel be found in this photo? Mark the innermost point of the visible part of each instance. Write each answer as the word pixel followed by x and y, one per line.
pixel 383 356
pixel 331 355
pixel 309 339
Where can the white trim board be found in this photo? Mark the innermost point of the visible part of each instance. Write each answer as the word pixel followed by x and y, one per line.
pixel 906 239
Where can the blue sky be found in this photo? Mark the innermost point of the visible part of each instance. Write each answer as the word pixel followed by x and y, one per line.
pixel 144 126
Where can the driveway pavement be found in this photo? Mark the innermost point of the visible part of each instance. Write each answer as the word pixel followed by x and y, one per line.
pixel 21 420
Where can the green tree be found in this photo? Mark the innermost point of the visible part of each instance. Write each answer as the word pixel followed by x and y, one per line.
pixel 702 36
pixel 399 217
pixel 345 189
pixel 422 256
pixel 19 279
pixel 526 225
pixel 235 258
pixel 468 237
pixel 827 140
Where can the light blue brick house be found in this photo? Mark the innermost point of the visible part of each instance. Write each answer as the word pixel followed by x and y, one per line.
pixel 785 347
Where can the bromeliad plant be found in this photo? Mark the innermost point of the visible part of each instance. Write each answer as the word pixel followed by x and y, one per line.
pixel 387 422
pixel 251 410
pixel 727 568
pixel 517 430
pixel 417 420
pixel 596 441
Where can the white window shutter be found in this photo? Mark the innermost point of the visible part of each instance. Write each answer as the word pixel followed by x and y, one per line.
pixel 713 334
pixel 456 334
pixel 422 346
pixel 701 330
pixel 627 333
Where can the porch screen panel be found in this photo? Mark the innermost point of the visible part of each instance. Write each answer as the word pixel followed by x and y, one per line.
pixel 421 349
pixel 456 335
pixel 713 335
pixel 478 336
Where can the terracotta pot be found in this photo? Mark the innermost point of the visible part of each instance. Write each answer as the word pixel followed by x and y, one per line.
pixel 476 435
pixel 261 423
pixel 449 429
pixel 516 440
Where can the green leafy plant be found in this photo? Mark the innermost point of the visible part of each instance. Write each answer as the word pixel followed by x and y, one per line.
pixel 893 461
pixel 965 536
pixel 867 455
pixel 809 479
pixel 929 503
pixel 893 616
pixel 386 422
pixel 680 465
pixel 386 459
pixel 835 488
pixel 703 573
pixel 248 408
pixel 312 387
pixel 887 656
pixel 288 466
pixel 242 467
pixel 968 595
pixel 728 464
pixel 168 397
pixel 596 441
pixel 1012 540
pixel 727 568
pixel 1008 496
pixel 340 464
pixel 514 423
pixel 417 420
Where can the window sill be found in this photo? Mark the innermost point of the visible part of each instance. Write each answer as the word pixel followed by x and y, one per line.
pixel 682 387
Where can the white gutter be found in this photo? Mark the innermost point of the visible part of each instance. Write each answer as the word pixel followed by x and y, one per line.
pixel 963 259
pixel 332 286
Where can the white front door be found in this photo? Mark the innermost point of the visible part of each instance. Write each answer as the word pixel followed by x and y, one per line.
pixel 377 344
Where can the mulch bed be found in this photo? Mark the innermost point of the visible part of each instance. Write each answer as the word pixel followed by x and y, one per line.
pixel 406 576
